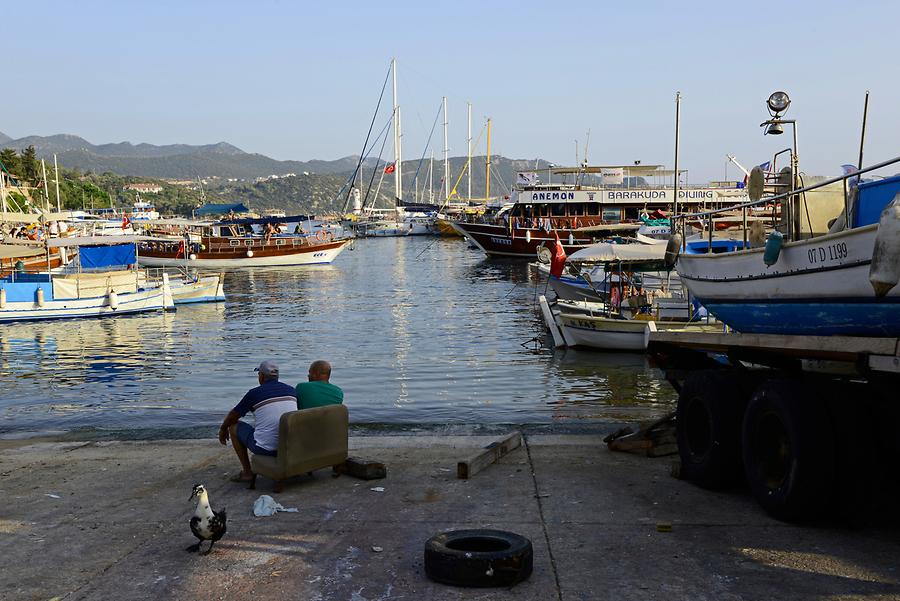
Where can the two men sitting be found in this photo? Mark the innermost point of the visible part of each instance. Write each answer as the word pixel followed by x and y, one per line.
pixel 268 402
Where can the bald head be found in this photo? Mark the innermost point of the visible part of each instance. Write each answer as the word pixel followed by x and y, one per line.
pixel 319 371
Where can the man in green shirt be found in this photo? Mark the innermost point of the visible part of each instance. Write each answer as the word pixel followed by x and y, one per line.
pixel 318 392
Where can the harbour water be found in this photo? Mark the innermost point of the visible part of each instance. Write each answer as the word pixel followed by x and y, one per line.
pixel 419 330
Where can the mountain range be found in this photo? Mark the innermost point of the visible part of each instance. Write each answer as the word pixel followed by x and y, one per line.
pixel 315 187
pixel 173 161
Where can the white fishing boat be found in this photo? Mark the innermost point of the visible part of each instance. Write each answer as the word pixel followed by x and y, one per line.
pixel 106 283
pixel 189 287
pixel 810 278
pixel 628 312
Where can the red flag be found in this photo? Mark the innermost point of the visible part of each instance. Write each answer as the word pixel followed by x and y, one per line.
pixel 389 168
pixel 559 257
pixel 125 220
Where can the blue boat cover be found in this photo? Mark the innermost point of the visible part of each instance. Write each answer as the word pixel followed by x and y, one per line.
pixel 221 209
pixel 106 256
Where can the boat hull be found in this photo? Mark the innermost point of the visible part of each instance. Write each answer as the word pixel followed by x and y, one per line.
pixel 498 240
pixel 262 257
pixel 817 286
pixel 206 289
pixel 135 302
pixel 605 333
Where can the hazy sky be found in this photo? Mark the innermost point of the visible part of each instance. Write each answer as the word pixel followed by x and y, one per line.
pixel 299 80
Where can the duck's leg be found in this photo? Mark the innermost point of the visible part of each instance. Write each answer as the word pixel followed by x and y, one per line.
pixel 211 543
pixel 193 548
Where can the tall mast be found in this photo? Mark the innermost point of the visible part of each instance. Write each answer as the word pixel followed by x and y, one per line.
pixel 46 195
pixel 398 157
pixel 487 165
pixel 446 156
pixel 469 152
pixel 56 168
pixel 431 179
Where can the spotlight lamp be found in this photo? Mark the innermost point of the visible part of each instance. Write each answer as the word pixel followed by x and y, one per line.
pixel 778 103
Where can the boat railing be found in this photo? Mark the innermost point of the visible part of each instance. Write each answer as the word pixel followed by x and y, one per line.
pixel 791 198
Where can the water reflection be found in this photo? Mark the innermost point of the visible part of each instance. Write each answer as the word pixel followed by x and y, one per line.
pixel 418 330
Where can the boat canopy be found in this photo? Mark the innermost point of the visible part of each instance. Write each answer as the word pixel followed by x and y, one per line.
pixel 12 251
pixel 269 219
pixel 11 217
pixel 92 257
pixel 606 252
pixel 221 209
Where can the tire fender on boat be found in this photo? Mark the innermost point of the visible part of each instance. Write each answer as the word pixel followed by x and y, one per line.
pixel 673 249
pixel 884 271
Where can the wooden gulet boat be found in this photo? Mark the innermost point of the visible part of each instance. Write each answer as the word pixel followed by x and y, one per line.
pixel 221 247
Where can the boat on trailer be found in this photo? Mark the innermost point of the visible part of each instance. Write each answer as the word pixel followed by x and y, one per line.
pixel 830 267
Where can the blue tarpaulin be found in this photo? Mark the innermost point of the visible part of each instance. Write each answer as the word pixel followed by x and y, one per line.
pixel 221 209
pixel 106 256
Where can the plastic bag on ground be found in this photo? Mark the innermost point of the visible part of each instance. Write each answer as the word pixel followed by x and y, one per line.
pixel 265 506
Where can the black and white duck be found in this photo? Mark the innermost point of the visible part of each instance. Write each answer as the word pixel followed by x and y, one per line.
pixel 206 524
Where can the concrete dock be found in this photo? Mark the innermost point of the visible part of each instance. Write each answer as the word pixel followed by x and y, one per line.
pixel 109 520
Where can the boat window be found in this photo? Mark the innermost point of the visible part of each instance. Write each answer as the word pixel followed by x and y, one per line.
pixel 516 211
pixel 234 242
pixel 576 208
pixel 558 210
pixel 529 211
pixel 631 213
pixel 280 242
pixel 248 242
pixel 612 215
pixel 592 208
pixel 542 210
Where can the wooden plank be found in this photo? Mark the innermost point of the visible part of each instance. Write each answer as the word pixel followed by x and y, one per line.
pixel 364 469
pixel 551 322
pixel 491 453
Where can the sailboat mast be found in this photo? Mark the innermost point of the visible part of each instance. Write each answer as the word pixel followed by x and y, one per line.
pixel 446 156
pixel 469 151
pixel 487 165
pixel 56 168
pixel 398 157
pixel 431 178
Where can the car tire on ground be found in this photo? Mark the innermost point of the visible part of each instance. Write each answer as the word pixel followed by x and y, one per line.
pixel 478 558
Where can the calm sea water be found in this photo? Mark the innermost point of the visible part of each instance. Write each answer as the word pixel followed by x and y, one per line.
pixel 418 330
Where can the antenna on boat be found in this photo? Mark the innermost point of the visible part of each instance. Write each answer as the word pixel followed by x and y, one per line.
pixel 677 132
pixel 469 153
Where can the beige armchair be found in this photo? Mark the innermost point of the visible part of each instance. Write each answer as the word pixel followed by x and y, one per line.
pixel 308 440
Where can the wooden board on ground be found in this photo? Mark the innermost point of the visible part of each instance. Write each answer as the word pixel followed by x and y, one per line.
pixel 364 469
pixel 655 439
pixel 491 453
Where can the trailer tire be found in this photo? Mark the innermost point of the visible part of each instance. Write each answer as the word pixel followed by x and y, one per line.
pixel 789 450
pixel 708 427
pixel 478 558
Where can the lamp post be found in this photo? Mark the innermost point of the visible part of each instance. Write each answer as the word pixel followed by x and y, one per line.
pixel 778 104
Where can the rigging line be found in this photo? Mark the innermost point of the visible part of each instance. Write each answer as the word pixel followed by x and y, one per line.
pixel 352 177
pixel 428 142
pixel 464 169
pixel 371 125
pixel 378 164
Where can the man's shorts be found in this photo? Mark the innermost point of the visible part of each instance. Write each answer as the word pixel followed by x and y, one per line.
pixel 245 435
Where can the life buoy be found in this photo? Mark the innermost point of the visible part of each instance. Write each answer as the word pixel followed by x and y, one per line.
pixel 320 235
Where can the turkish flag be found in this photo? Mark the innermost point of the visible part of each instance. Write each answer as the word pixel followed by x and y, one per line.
pixel 125 220
pixel 559 258
pixel 389 168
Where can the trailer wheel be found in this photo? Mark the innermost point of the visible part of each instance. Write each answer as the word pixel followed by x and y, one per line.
pixel 708 427
pixel 788 450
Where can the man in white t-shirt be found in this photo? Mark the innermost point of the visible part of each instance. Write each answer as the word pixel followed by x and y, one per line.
pixel 268 402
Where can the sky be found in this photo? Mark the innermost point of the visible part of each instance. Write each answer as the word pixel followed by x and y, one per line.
pixel 300 80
